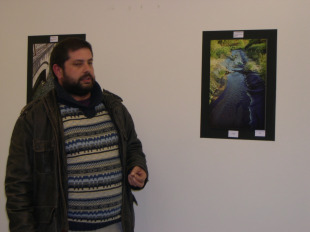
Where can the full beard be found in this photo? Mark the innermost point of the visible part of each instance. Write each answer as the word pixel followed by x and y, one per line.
pixel 77 88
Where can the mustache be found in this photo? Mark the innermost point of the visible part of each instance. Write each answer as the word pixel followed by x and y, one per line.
pixel 85 76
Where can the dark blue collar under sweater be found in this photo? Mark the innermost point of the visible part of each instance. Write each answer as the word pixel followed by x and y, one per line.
pixel 88 110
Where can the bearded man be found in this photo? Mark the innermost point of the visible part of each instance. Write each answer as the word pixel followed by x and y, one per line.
pixel 74 157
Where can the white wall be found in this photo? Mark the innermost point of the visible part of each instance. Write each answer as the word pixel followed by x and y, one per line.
pixel 149 52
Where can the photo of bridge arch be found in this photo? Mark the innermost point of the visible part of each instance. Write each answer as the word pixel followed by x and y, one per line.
pixel 39 75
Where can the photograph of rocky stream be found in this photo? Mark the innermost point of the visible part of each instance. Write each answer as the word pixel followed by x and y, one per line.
pixel 238 72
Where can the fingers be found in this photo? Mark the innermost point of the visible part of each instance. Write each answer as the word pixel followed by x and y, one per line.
pixel 137 177
pixel 134 182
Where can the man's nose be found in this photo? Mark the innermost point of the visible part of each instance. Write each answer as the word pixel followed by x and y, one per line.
pixel 87 68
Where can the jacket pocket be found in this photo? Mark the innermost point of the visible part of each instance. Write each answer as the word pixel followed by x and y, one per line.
pixel 43 152
pixel 45 219
pixel 44 214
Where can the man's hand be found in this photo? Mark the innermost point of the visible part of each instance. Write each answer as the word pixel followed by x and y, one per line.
pixel 137 177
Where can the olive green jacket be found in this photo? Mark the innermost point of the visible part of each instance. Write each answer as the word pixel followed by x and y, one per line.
pixel 36 180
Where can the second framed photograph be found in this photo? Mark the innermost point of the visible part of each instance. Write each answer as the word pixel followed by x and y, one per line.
pixel 239 84
pixel 39 77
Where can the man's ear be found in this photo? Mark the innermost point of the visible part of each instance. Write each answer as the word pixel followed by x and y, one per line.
pixel 58 71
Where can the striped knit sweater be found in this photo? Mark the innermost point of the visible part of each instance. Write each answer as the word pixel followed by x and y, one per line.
pixel 94 169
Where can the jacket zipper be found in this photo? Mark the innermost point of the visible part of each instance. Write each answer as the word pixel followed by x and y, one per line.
pixel 122 136
pixel 65 222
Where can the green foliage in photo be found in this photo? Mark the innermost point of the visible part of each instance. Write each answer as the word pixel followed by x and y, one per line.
pixel 255 49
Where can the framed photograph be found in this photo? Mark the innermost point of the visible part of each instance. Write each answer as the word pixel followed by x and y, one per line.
pixel 39 75
pixel 239 84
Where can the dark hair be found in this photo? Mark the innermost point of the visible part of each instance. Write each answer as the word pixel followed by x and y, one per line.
pixel 60 52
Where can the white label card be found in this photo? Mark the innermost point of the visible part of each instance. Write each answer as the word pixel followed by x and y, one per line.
pixel 260 133
pixel 54 39
pixel 238 34
pixel 233 134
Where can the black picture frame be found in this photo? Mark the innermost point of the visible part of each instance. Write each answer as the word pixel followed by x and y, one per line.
pixel 238 94
pixel 39 75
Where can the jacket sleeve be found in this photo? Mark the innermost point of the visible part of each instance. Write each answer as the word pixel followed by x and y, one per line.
pixel 135 154
pixel 18 181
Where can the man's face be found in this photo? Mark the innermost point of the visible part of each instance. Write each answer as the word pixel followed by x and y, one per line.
pixel 77 77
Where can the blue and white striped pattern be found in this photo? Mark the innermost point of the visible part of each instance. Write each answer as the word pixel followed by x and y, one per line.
pixel 94 169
